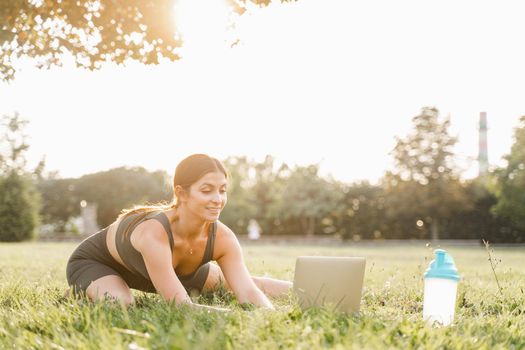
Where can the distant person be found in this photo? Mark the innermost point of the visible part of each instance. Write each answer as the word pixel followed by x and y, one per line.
pixel 254 230
pixel 168 248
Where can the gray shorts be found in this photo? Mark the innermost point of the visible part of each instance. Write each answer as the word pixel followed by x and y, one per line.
pixel 91 260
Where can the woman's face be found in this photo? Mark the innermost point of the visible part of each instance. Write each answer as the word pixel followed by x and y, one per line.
pixel 207 196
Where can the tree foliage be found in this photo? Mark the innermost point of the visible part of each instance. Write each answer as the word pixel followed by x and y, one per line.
pixel 19 200
pixel 111 190
pixel 360 214
pixel 511 181
pixel 239 209
pixel 426 154
pixel 92 31
pixel 18 208
pixel 267 185
pixel 479 222
pixel 14 144
pixel 309 199
pixel 60 202
pixel 425 186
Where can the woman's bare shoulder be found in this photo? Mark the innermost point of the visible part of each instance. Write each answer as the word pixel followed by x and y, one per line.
pixel 224 231
pixel 148 232
pixel 226 241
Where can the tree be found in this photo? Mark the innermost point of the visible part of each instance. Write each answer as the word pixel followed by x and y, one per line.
pixel 308 198
pixel 111 190
pixel 18 208
pixel 268 184
pixel 361 213
pixel 240 207
pixel 424 187
pixel 19 200
pixel 92 31
pixel 511 181
pixel 254 192
pixel 120 188
pixel 479 222
pixel 60 202
pixel 14 144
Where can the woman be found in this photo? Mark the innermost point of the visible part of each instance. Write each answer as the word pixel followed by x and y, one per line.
pixel 167 248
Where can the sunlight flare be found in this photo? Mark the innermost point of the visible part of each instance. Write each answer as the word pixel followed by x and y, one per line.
pixel 202 23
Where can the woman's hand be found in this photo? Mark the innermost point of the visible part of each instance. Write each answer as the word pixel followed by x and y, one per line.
pixel 209 308
pixel 230 259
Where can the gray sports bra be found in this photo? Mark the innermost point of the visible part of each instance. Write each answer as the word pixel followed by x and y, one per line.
pixel 134 260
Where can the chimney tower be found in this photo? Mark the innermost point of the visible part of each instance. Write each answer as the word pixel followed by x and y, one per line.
pixel 483 158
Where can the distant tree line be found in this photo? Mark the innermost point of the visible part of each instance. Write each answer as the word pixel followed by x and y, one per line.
pixel 421 198
pixel 111 190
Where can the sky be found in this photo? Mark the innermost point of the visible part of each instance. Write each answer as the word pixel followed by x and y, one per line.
pixel 331 82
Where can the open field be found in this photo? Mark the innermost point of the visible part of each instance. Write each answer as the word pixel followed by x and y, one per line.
pixel 32 314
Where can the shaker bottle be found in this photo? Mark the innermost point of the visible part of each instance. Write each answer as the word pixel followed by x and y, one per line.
pixel 441 284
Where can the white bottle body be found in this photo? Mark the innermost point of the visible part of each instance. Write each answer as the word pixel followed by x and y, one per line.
pixel 439 300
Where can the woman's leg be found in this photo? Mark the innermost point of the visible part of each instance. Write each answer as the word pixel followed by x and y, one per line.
pixel 215 279
pixel 111 286
pixel 270 286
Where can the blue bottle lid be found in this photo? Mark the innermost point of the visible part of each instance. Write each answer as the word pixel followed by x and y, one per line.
pixel 442 267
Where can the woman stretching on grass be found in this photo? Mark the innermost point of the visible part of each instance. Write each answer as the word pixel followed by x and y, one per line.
pixel 167 248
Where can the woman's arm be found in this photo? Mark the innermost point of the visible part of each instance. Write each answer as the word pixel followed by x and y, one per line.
pixel 151 241
pixel 230 259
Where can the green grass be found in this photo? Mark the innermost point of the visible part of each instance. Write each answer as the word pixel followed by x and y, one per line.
pixel 33 316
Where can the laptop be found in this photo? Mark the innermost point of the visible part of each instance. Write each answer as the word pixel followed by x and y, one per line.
pixel 329 281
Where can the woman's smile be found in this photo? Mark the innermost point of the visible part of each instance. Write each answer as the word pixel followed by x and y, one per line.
pixel 208 195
